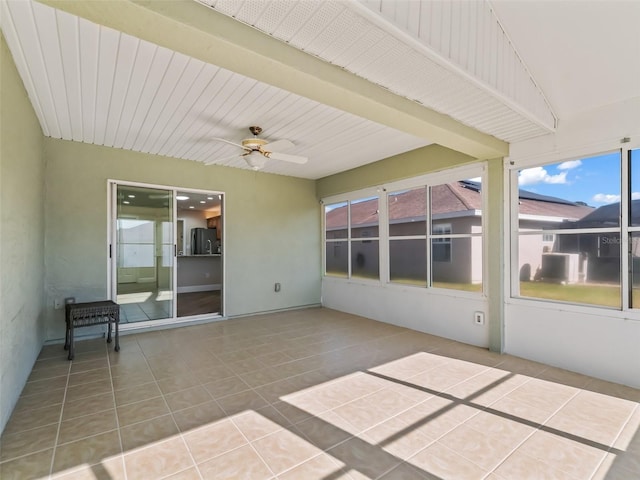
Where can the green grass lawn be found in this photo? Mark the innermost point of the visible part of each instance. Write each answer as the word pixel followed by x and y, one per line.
pixel 604 295
pixel 467 287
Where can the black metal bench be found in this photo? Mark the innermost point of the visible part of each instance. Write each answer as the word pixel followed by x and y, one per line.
pixel 88 314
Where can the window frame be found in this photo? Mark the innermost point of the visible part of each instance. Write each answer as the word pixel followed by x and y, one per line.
pixel 624 229
pixel 476 170
pixel 349 239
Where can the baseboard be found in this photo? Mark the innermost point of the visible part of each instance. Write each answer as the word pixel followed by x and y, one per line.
pixel 200 288
pixel 277 310
pixel 141 327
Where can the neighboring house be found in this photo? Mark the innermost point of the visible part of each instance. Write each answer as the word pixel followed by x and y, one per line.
pixel 537 259
pixel 601 251
pixel 457 210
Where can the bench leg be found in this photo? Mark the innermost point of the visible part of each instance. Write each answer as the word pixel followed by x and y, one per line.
pixel 117 346
pixel 109 332
pixel 66 336
pixel 71 352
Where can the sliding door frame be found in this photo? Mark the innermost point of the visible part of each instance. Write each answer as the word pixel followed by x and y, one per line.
pixel 111 240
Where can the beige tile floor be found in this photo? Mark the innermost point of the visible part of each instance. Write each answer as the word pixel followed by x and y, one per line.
pixel 313 394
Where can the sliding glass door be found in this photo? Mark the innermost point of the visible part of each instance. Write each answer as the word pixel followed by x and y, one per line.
pixel 166 252
pixel 144 253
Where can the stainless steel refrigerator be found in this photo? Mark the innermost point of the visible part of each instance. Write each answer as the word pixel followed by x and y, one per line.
pixel 203 241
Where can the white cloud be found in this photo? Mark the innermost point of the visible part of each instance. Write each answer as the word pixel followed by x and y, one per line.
pixel 569 165
pixel 611 198
pixel 606 198
pixel 534 175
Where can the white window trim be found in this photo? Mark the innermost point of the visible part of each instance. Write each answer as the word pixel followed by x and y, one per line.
pixel 428 180
pixel 511 168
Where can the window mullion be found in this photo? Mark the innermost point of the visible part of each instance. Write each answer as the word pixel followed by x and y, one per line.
pixel 514 237
pixel 383 235
pixel 625 196
pixel 428 242
pixel 349 239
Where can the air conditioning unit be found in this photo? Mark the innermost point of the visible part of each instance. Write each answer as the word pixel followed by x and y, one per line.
pixel 561 267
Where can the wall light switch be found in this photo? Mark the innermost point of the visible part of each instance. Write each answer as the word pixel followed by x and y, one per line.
pixel 478 318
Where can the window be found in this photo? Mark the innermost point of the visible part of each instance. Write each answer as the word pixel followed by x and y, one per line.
pixel 364 223
pixel 569 231
pixel 441 245
pixel 432 236
pixel 336 239
pixel 136 243
pixel 408 236
pixel 634 228
pixel 347 225
pixel 456 235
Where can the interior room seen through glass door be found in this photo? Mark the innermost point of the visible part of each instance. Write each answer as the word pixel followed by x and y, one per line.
pixel 144 253
pixel 199 241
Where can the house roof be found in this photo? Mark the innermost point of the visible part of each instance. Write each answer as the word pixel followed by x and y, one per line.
pixel 567 211
pixel 532 203
pixel 609 215
pixel 449 198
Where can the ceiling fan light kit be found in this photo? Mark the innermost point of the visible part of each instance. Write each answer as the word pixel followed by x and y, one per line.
pixel 255 160
pixel 258 150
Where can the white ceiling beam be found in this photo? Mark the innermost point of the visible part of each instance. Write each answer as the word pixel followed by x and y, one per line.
pixel 193 29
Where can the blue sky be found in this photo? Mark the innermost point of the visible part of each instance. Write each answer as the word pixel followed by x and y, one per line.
pixel 593 180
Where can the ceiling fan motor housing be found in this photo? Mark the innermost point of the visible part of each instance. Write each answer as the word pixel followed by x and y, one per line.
pixel 253 143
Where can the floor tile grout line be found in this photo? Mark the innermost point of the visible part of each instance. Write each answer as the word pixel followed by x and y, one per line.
pixel 487 471
pixel 27 430
pixel 178 429
pixel 538 429
pixel 504 459
pixel 4 462
pixel 55 443
pixel 351 436
pixel 250 444
pixel 115 412
pixel 323 452
pixel 629 417
pixel 335 378
pixel 613 442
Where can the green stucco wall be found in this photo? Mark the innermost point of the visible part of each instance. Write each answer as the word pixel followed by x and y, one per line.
pixel 21 235
pixel 431 159
pixel 271 227
pixel 411 164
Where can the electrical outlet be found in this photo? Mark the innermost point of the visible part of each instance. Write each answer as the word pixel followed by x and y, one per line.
pixel 57 303
pixel 478 318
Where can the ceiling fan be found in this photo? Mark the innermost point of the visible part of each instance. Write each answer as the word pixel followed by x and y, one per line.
pixel 256 151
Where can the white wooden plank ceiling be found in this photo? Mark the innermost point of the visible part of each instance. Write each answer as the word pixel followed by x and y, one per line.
pixel 92 84
pixel 584 55
pixel 453 56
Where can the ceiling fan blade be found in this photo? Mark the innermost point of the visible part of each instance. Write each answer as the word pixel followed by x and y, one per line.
pixel 286 157
pixel 230 143
pixel 222 161
pixel 278 146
